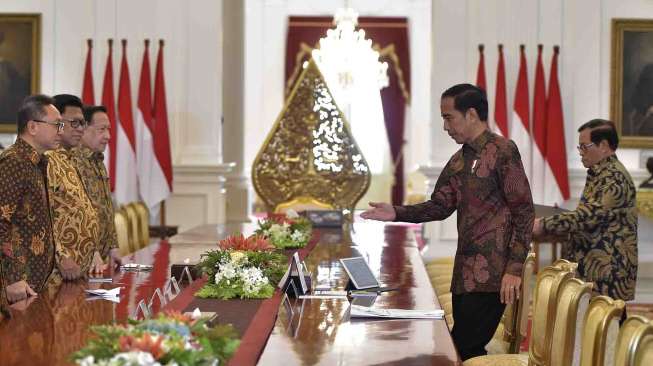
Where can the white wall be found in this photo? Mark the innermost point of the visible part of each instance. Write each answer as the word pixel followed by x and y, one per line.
pixel 192 31
pixel 193 58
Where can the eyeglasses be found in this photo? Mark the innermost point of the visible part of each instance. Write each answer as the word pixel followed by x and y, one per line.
pixel 584 147
pixel 59 124
pixel 76 123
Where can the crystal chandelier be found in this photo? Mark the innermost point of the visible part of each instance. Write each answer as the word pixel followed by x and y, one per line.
pixel 347 60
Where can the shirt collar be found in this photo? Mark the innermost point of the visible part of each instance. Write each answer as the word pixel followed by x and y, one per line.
pixel 28 152
pixel 602 164
pixel 479 142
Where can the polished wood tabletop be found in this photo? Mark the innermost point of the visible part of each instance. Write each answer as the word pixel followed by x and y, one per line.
pixel 46 329
pixel 320 331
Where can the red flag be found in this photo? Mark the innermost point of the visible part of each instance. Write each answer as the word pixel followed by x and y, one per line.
pixel 161 136
pixel 480 71
pixel 126 175
pixel 88 94
pixel 109 101
pixel 520 129
pixel 556 155
pixel 500 99
pixel 153 184
pixel 539 131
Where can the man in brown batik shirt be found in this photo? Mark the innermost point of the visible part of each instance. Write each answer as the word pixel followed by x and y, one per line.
pixel 485 183
pixel 27 247
pixel 89 159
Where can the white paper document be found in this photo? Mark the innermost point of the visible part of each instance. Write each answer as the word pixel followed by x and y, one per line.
pixel 365 312
pixel 111 295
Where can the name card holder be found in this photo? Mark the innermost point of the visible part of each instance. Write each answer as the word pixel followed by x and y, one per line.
pixel 141 309
pixel 186 273
pixel 171 289
pixel 157 294
pixel 295 276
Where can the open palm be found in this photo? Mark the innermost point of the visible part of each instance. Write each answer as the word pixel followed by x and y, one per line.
pixel 380 211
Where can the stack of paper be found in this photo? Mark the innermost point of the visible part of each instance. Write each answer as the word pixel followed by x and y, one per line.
pixel 365 312
pixel 111 295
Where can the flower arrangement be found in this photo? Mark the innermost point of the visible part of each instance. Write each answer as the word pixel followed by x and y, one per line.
pixel 286 231
pixel 169 339
pixel 245 268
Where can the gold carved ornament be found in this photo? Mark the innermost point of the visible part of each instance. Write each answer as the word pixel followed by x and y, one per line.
pixel 310 153
pixel 645 202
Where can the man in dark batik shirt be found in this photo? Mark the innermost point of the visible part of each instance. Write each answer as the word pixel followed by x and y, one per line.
pixel 603 228
pixel 485 183
pixel 26 242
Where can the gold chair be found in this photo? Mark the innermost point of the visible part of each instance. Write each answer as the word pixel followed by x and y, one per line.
pixel 439 271
pixel 548 284
pixel 644 351
pixel 571 309
pixel 600 331
pixel 122 232
pixel 441 288
pixel 143 214
pixel 441 279
pixel 514 323
pixel 441 261
pixel 635 342
pixel 565 264
pixel 134 229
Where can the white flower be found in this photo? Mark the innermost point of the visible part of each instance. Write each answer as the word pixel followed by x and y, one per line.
pixel 227 271
pixel 134 358
pixel 292 214
pixel 253 279
pixel 297 236
pixel 276 229
pixel 86 361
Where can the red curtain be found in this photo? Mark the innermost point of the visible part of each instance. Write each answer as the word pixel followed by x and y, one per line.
pixel 390 37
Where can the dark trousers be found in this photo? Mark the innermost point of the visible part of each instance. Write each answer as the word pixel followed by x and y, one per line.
pixel 476 316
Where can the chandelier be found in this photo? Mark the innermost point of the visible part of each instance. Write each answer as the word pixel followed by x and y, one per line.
pixel 347 60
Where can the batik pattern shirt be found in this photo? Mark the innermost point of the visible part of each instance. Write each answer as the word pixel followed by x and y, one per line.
pixel 96 183
pixel 485 183
pixel 28 251
pixel 603 230
pixel 75 222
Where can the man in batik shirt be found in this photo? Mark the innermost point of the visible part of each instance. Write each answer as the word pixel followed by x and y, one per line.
pixel 485 183
pixel 603 228
pixel 75 223
pixel 90 163
pixel 27 247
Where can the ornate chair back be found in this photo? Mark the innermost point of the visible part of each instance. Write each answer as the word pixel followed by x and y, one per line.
pixel 134 229
pixel 122 232
pixel 516 315
pixel 143 214
pixel 544 311
pixel 635 342
pixel 600 330
pixel 573 300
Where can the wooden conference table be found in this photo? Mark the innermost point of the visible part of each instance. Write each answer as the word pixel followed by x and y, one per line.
pixel 273 331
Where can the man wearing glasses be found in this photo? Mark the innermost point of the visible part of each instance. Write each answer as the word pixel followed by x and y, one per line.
pixel 603 228
pixel 75 222
pixel 27 251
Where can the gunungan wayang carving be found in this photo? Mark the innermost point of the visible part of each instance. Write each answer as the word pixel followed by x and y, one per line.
pixel 310 154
